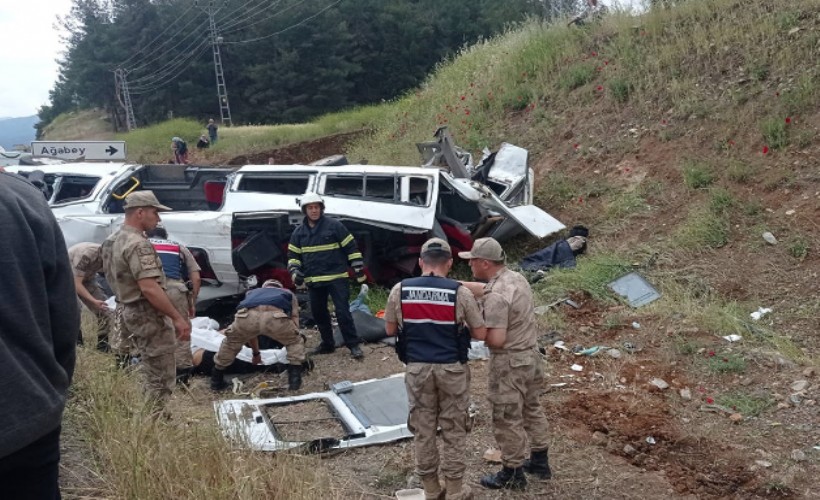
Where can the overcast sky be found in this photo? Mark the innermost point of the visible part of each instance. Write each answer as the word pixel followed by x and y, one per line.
pixel 31 45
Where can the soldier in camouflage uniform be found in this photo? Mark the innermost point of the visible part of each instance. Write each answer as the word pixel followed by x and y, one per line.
pixel 86 262
pixel 516 374
pixel 148 318
pixel 272 311
pixel 431 310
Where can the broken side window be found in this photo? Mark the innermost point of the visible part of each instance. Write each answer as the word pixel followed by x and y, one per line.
pixel 72 188
pixel 380 187
pixel 418 191
pixel 288 184
pixel 344 185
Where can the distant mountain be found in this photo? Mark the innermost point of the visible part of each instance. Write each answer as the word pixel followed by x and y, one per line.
pixel 17 131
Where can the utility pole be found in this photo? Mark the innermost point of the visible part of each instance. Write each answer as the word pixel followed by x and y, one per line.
pixel 221 89
pixel 124 96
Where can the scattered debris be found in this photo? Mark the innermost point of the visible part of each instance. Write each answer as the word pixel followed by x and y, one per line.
pixel 798 456
pixel 761 311
pixel 800 385
pixel 492 455
pixel 576 368
pixel 629 449
pixel 410 494
pixel 614 353
pixel 631 348
pixel 686 394
pixel 591 351
pixel 636 325
pixel 795 399
pixel 733 338
pixel 770 239
pixel 763 463
pixel 790 212
pixel 635 289
pixel 650 440
pixel 659 383
pixel 716 409
pixel 559 384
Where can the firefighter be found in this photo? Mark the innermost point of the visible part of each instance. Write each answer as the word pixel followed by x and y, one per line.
pixel 320 251
pixel 183 282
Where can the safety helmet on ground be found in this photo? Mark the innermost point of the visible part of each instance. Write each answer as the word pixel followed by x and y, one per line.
pixel 309 199
pixel 272 284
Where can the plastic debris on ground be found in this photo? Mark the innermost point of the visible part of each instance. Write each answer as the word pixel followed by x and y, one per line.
pixel 635 289
pixel 761 311
pixel 733 338
pixel 576 368
pixel 410 494
pixel 650 440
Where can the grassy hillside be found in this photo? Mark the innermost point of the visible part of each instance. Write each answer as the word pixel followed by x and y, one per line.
pixel 678 137
pixel 88 125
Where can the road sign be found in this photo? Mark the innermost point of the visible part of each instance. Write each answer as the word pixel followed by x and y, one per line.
pixel 80 150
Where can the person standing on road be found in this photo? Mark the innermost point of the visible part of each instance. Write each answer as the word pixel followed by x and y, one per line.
pixel 39 323
pixel 86 262
pixel 516 376
pixel 271 311
pixel 428 313
pixel 212 130
pixel 320 251
pixel 148 317
pixel 183 283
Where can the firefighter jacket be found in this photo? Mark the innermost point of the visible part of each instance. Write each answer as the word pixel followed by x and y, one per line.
pixel 430 333
pixel 323 252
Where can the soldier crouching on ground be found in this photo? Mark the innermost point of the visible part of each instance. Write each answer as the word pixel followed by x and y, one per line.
pixel 86 262
pixel 272 311
pixel 183 282
pixel 431 310
pixel 135 274
pixel 516 376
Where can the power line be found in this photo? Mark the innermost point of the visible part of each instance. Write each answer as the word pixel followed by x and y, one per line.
pixel 226 22
pixel 196 32
pixel 171 73
pixel 123 63
pixel 233 29
pixel 303 21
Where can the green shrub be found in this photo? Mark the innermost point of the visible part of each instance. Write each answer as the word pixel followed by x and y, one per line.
pixel 697 175
pixel 577 76
pixel 620 89
pixel 774 133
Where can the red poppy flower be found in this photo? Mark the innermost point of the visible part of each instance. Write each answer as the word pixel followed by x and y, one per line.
pixel 593 54
pixel 462 98
pixel 575 146
pixel 663 122
pixel 467 112
pixel 606 63
pixel 788 120
pixel 580 199
pixel 710 400
pixel 600 88
pixel 711 354
pixel 765 150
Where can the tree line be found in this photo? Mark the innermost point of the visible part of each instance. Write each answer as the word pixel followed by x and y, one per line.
pixel 283 60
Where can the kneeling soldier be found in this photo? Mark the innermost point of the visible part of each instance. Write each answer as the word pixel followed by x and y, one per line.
pixel 272 311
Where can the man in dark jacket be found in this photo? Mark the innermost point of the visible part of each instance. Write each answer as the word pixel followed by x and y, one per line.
pixel 320 251
pixel 39 322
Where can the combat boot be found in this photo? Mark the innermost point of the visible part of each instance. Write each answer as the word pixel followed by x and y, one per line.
pixel 538 465
pixel 184 375
pixel 294 377
pixel 218 380
pixel 323 349
pixel 511 479
pixel 432 488
pixel 457 490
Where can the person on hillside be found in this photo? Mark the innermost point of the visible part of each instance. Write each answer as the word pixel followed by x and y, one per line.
pixel 183 283
pixel 39 323
pixel 212 130
pixel 146 315
pixel 203 142
pixel 86 262
pixel 320 251
pixel 516 374
pixel 272 311
pixel 428 313
pixel 180 149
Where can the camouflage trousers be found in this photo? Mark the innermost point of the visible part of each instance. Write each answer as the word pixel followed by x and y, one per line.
pixel 104 318
pixel 180 296
pixel 262 320
pixel 118 340
pixel 438 395
pixel 154 339
pixel 515 382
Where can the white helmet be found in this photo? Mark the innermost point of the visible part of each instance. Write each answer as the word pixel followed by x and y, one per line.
pixel 310 198
pixel 272 284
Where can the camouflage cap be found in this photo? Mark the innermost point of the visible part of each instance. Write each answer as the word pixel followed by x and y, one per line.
pixel 436 245
pixel 144 199
pixel 485 248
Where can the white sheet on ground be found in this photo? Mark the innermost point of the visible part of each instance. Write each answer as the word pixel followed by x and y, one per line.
pixel 205 336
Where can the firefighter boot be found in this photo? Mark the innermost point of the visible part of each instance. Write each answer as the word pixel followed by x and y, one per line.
pixel 432 488
pixel 457 490
pixel 218 380
pixel 294 377
pixel 512 479
pixel 538 465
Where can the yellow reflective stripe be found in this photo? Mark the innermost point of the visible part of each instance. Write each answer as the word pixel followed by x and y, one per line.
pixel 320 248
pixel 327 277
pixel 347 240
pixel 294 248
pixel 354 256
pixel 294 262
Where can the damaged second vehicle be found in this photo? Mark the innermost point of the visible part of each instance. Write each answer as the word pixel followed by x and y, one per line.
pixel 238 223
